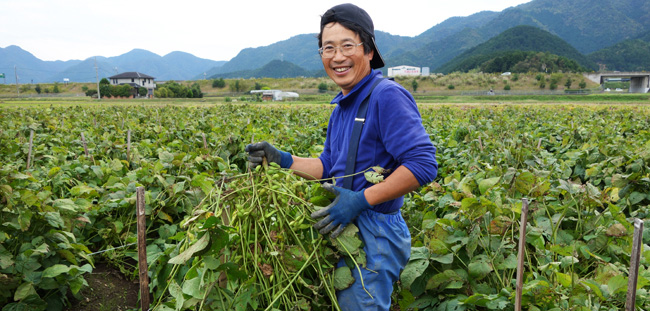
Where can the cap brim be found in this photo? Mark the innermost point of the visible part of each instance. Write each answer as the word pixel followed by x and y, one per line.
pixel 377 61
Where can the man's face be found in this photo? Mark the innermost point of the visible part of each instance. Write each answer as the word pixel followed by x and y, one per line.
pixel 345 71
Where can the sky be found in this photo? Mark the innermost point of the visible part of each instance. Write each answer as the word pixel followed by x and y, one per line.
pixel 215 30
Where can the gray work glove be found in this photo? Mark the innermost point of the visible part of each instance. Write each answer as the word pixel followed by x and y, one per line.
pixel 258 151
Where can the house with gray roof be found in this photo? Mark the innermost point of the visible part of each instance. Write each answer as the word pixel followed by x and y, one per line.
pixel 136 80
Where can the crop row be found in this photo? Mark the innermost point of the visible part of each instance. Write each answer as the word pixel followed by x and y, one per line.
pixel 584 170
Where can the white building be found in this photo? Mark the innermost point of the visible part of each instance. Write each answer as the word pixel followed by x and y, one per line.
pixel 136 80
pixel 275 94
pixel 404 71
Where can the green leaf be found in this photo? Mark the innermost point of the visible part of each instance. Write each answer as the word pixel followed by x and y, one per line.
pixel 509 263
pixel 444 259
pixel 55 270
pixel 25 289
pixel 524 182
pixel 187 254
pixel 485 184
pixel 165 157
pixel 636 197
pixel 373 177
pixel 594 288
pixel 480 267
pixel 617 284
pixel 193 288
pixel 348 241
pixel 54 219
pixel 564 279
pixel 65 205
pixel 413 270
pixel 444 280
pixel 6 258
pixel 342 278
pixel 53 171
pixel 116 165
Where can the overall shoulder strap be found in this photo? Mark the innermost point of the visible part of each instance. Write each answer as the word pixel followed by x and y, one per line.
pixel 354 138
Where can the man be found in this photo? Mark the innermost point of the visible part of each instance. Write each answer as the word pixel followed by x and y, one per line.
pixel 392 137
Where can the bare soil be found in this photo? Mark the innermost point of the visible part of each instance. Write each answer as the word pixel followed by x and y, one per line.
pixel 107 290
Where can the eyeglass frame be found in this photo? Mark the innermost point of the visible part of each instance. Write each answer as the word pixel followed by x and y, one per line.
pixel 321 51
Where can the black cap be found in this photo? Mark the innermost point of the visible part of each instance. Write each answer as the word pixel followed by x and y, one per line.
pixel 354 14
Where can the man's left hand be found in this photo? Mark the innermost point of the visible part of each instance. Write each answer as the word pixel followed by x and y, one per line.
pixel 345 208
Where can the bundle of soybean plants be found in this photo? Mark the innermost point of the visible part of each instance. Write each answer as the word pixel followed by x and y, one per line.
pixel 250 245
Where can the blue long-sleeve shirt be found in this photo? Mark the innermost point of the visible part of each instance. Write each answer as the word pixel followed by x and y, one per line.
pixel 392 136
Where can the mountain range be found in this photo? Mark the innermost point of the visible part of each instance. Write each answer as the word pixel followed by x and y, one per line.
pixel 611 32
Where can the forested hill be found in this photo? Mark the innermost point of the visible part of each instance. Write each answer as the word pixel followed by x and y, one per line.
pixel 519 38
pixel 629 55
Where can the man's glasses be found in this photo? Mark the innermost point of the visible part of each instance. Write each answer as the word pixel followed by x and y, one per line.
pixel 347 49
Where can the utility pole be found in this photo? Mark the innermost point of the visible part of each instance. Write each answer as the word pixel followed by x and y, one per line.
pixel 16 74
pixel 99 95
pixel 204 74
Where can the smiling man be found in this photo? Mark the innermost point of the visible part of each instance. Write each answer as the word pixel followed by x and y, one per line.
pixel 376 123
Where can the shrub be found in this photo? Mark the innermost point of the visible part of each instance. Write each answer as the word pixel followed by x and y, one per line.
pixel 553 85
pixel 507 87
pixel 218 83
pixel 451 87
pixel 582 84
pixel 322 87
pixel 568 83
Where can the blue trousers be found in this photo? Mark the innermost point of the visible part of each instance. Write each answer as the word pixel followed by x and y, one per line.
pixel 387 243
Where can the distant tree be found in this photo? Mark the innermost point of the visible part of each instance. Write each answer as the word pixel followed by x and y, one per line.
pixel 414 85
pixel 258 86
pixel 582 84
pixel 55 89
pixel 104 81
pixel 451 87
pixel 38 88
pixel 143 91
pixel 218 83
pixel 84 88
pixel 553 85
pixel 322 87
pixel 507 87
pixel 568 83
pixel 91 92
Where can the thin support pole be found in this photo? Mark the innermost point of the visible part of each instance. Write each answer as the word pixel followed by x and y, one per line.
pixel 635 257
pixel 128 146
pixel 142 249
pixel 521 254
pixel 31 143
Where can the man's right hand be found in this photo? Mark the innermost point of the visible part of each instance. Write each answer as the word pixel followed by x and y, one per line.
pixel 258 151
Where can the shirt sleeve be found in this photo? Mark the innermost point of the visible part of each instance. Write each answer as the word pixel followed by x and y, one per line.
pixel 400 127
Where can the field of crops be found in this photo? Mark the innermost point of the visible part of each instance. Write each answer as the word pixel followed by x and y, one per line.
pixel 220 237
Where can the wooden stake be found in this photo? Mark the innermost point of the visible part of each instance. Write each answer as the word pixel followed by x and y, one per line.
pixel 29 154
pixel 539 143
pixel 128 146
pixel 521 253
pixel 480 143
pixel 205 142
pixel 635 257
pixel 142 249
pixel 83 140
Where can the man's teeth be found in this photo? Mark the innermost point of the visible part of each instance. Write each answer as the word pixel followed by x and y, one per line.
pixel 341 69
